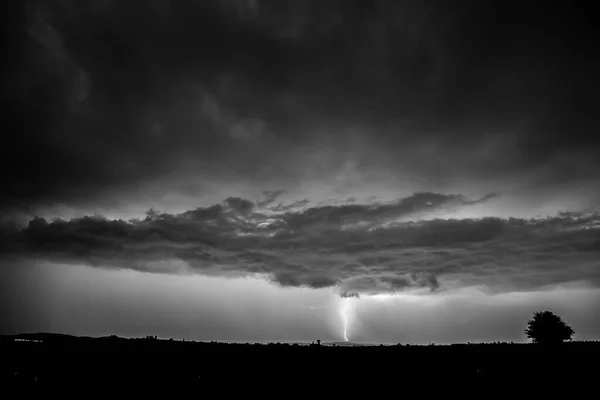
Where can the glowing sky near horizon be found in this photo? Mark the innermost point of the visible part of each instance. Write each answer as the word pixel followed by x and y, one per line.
pixel 96 302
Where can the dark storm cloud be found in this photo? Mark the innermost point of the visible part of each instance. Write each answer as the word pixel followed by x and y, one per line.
pixel 105 93
pixel 364 249
pixel 388 283
pixel 239 205
pixel 351 214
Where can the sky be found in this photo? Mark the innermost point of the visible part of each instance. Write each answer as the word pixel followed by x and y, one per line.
pixel 247 170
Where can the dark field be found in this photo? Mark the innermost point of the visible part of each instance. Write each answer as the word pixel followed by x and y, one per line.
pixel 88 365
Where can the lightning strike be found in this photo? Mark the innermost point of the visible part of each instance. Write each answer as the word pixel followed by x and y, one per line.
pixel 345 310
pixel 345 327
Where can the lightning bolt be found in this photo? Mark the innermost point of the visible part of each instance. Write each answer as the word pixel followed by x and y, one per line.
pixel 344 311
pixel 345 327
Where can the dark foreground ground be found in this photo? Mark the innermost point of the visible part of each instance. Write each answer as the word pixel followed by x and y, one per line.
pixel 88 366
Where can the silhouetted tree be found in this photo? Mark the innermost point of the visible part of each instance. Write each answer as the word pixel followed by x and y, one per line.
pixel 548 328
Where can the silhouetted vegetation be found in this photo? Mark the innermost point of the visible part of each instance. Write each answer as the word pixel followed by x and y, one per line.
pixel 548 328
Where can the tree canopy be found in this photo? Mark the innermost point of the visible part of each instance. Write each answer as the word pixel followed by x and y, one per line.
pixel 548 328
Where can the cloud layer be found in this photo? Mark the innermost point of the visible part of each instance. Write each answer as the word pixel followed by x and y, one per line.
pixel 357 248
pixel 109 97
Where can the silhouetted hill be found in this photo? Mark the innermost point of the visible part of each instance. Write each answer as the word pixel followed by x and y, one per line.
pixel 44 336
pixel 42 362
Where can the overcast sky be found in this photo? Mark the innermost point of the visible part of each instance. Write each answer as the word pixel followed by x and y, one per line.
pixel 256 170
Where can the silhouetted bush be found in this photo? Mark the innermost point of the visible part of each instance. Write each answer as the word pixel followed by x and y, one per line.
pixel 548 328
